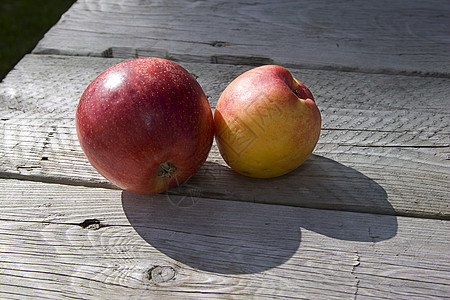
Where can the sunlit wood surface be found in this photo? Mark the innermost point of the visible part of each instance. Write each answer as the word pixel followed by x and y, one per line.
pixel 367 216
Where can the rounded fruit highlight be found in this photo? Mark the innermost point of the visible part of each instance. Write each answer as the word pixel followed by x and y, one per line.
pixel 145 125
pixel 266 122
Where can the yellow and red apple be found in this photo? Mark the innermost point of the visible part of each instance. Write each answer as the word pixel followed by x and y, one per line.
pixel 266 122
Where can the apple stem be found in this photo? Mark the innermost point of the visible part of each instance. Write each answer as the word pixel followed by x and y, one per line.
pixel 166 169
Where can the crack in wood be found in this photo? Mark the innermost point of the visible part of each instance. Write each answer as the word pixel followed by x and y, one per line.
pixel 28 168
pixel 394 146
pixel 356 263
pixel 241 60
pixel 364 130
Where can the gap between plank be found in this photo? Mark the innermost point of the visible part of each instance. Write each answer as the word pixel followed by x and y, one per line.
pixel 67 181
pixel 249 61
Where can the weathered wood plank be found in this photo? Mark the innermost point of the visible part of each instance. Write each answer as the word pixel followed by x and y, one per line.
pixel 373 36
pixel 384 146
pixel 66 242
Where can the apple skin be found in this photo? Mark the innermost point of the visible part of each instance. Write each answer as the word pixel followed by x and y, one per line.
pixel 267 122
pixel 145 125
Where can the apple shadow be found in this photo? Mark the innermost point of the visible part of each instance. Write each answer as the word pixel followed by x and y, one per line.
pixel 320 183
pixel 229 237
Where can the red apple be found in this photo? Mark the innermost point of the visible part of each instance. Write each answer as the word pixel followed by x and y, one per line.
pixel 267 122
pixel 145 125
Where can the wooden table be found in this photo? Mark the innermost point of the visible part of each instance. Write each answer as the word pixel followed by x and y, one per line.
pixel 367 216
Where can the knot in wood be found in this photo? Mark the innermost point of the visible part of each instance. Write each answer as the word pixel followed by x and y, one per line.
pixel 219 44
pixel 161 274
pixel 91 224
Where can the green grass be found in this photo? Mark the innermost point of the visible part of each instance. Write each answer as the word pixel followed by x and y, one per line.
pixel 22 24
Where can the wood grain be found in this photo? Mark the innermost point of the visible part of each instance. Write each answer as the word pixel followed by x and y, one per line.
pixel 366 217
pixel 384 146
pixel 67 242
pixel 409 37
